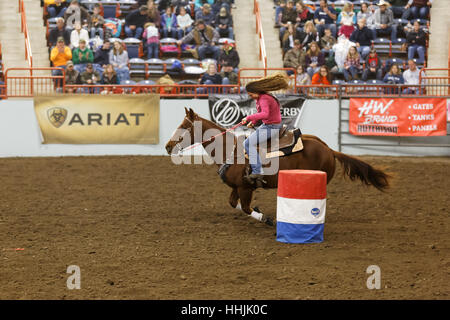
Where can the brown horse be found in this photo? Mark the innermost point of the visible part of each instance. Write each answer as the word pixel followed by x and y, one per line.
pixel 316 155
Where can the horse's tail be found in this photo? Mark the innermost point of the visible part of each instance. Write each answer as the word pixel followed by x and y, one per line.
pixel 355 168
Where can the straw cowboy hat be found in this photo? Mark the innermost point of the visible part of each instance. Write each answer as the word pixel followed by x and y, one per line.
pixel 383 3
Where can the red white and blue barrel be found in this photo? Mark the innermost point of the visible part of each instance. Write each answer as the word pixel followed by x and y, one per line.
pixel 301 206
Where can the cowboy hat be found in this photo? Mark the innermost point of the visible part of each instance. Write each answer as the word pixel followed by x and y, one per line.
pixel 383 3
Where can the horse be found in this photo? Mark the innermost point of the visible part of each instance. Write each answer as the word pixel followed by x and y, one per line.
pixel 316 155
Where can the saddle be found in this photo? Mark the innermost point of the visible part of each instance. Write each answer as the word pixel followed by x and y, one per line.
pixel 289 141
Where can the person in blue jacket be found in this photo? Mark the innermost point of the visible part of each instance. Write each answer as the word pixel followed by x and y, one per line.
pixel 395 77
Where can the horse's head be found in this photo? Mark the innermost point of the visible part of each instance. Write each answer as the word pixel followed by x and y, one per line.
pixel 184 129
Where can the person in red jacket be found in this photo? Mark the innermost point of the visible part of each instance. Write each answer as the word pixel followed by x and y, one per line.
pixel 268 111
pixel 322 77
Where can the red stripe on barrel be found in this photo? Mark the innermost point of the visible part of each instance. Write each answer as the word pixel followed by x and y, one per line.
pixel 302 184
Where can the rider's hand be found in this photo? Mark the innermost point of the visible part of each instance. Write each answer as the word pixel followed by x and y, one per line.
pixel 244 121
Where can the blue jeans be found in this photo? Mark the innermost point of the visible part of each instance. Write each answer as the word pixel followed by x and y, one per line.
pixel 122 73
pixel 228 32
pixel 310 71
pixel 133 33
pixel 392 31
pixel 363 51
pixel 173 33
pixel 153 50
pixel 412 51
pixel 263 133
pixel 58 72
pixel 208 90
pixel 204 50
pixel 95 30
pixel 52 12
pixel 350 73
pixel 321 29
pixel 421 13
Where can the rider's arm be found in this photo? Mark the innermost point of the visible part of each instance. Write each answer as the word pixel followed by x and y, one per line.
pixel 261 115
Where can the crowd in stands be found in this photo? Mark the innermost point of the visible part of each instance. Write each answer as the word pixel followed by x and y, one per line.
pixel 93 48
pixel 352 41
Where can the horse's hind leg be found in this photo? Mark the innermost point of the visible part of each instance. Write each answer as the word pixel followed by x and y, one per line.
pixel 245 196
pixel 234 199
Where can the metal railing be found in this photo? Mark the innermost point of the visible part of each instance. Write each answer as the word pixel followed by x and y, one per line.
pixel 259 32
pixel 24 30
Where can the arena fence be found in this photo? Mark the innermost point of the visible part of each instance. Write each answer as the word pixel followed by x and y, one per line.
pixel 24 30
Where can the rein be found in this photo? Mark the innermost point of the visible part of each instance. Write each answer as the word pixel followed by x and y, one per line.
pixel 212 138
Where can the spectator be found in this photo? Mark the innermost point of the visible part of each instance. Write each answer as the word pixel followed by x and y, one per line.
pixel 228 75
pixel 294 57
pixel 118 57
pixel 412 78
pixel 352 65
pixel 347 18
pixel 394 77
pixel 185 22
pixel 72 77
pixel 416 41
pixel 280 5
pixel 151 37
pixel 288 16
pixel 135 21
pixel 289 36
pixel 78 34
pixel 364 13
pixel 323 77
pixel 303 78
pixel 229 56
pixel 101 56
pixel 362 37
pixel 418 9
pixel 82 56
pixel 303 15
pixel 199 4
pixel 76 14
pixel 210 77
pixel 384 22
pixel 205 14
pixel 57 9
pixel 90 77
pixel 325 17
pixel 224 24
pixel 327 42
pixel 59 31
pixel 153 14
pixel 59 56
pixel 205 38
pixel 169 24
pixel 219 4
pixel 314 59
pixel 373 67
pixel 109 77
pixel 309 35
pixel 97 22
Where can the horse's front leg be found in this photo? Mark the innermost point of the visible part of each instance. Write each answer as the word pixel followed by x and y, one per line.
pixel 245 196
pixel 234 199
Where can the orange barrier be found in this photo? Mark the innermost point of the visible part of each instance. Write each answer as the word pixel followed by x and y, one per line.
pixel 24 30
pixel 259 31
pixel 439 77
pixel 29 86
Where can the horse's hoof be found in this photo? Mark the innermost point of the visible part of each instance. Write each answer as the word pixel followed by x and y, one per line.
pixel 268 221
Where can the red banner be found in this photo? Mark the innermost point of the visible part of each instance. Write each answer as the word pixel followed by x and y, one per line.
pixel 398 117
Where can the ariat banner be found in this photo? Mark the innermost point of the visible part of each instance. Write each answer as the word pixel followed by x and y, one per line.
pixel 228 110
pixel 398 117
pixel 99 119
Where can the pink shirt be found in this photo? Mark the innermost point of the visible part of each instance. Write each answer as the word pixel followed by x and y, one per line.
pixel 268 110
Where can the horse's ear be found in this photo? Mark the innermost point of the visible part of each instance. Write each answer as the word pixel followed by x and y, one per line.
pixel 186 110
pixel 191 113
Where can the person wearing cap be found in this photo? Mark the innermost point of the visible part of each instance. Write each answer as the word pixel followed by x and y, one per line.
pixel 373 68
pixel 72 76
pixel 59 56
pixel 97 22
pixel 205 38
pixel 325 17
pixel 219 4
pixel 78 34
pixel 135 21
pixel 229 55
pixel 205 14
pixel 81 56
pixel 288 17
pixel 90 77
pixel 59 31
pixel 362 37
pixel 295 56
pixel 228 75
pixel 384 21
pixel 269 112
pixel 224 24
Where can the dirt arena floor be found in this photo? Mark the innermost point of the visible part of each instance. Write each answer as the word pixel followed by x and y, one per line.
pixel 144 228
